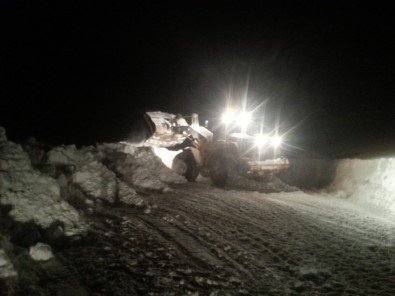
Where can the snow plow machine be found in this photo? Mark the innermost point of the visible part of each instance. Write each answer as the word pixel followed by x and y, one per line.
pixel 219 159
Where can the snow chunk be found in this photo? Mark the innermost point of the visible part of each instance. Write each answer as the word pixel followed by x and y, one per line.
pixel 139 166
pixel 146 158
pixel 41 252
pixel 128 195
pixel 90 176
pixel 32 195
pixel 35 150
pixel 96 181
pixel 6 267
pixel 268 184
pixel 13 158
pixel 369 183
pixel 69 155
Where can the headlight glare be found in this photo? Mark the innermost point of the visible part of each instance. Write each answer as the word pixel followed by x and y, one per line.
pixel 276 141
pixel 261 140
pixel 243 120
pixel 228 117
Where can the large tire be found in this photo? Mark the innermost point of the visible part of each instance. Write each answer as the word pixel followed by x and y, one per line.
pixel 219 171
pixel 192 170
pixel 223 163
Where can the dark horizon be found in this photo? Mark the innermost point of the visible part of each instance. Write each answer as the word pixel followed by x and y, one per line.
pixel 85 73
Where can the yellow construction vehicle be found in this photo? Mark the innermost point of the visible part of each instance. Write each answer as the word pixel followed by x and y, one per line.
pixel 218 159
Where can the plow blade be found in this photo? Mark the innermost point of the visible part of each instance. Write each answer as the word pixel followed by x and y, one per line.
pixel 167 129
pixel 170 130
pixel 267 167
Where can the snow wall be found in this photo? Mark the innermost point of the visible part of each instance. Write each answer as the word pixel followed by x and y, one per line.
pixel 370 182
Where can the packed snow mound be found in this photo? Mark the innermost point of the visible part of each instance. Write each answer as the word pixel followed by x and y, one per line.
pixel 12 158
pixel 367 182
pixel 139 166
pixel 86 173
pixel 41 252
pixel 70 155
pixel 33 196
pixel 96 181
pixel 128 195
pixel 36 150
pixel 268 185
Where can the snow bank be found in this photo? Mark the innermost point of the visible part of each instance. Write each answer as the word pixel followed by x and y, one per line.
pixel 370 183
pixel 268 185
pixel 128 195
pixel 139 166
pixel 96 181
pixel 33 197
pixel 70 155
pixel 86 173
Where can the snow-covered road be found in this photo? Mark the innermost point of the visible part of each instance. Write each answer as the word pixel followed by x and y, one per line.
pixel 201 239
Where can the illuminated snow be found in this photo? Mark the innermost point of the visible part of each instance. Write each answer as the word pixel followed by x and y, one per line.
pixel 41 252
pixel 96 181
pixel 369 183
pixel 139 166
pixel 167 156
pixel 33 196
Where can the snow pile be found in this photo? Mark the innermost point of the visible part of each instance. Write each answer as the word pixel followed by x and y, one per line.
pixel 81 169
pixel 41 252
pixel 267 184
pixel 32 195
pixel 367 182
pixel 6 267
pixel 128 195
pixel 96 181
pixel 167 156
pixel 70 156
pixel 66 175
pixel 139 166
pixel 35 150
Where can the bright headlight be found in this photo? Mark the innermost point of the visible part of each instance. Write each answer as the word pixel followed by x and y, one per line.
pixel 228 117
pixel 276 141
pixel 243 119
pixel 261 140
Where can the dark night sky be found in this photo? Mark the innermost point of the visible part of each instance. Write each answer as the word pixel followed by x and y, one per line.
pixel 82 73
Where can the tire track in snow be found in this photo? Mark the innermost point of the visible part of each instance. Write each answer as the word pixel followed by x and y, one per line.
pixel 339 215
pixel 208 240
pixel 186 241
pixel 262 255
pixel 306 245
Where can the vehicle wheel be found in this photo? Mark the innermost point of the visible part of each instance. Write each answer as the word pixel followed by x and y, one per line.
pixel 192 170
pixel 219 171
